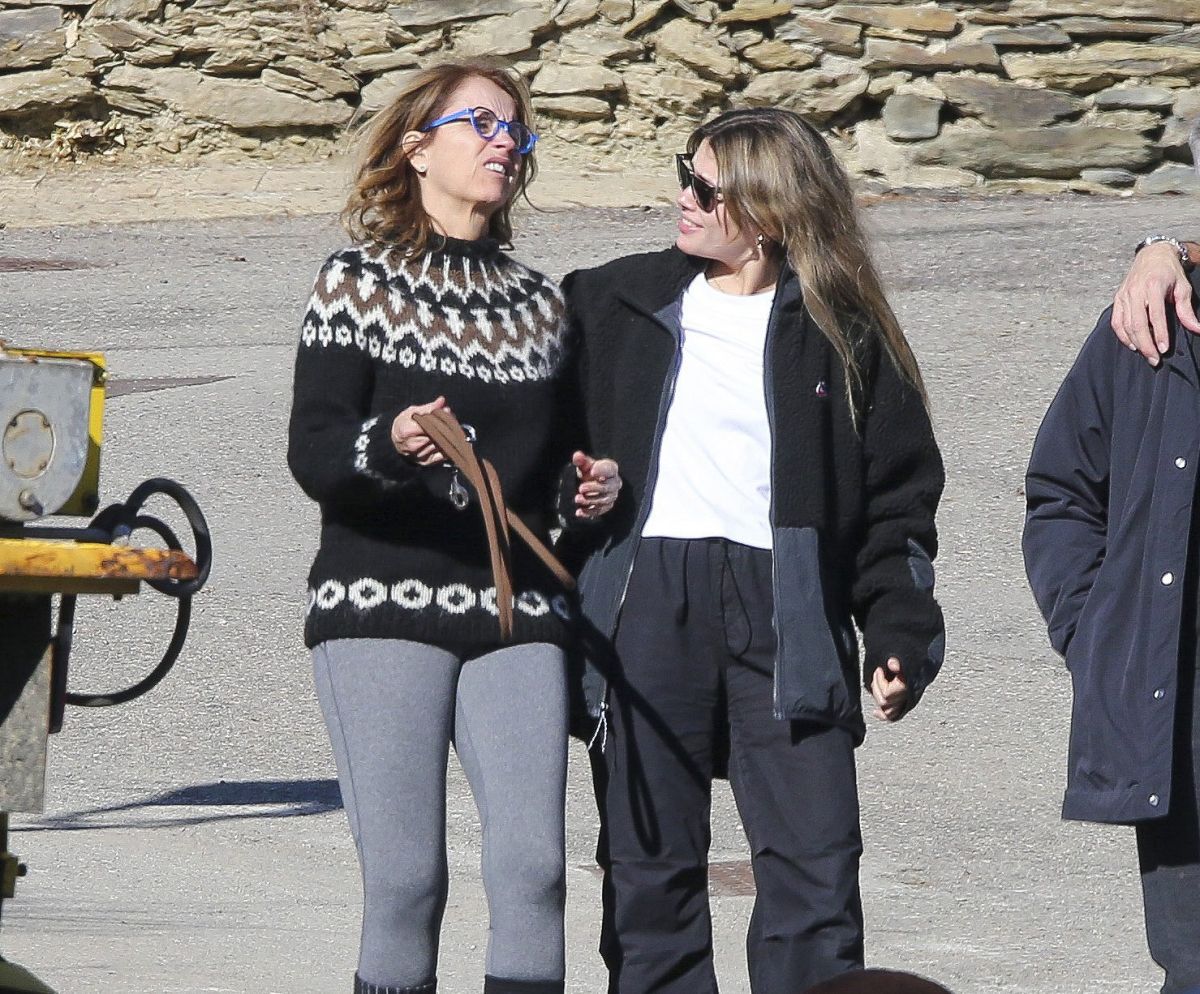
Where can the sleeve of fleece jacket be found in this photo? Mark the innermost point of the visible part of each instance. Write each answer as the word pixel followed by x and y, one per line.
pixel 1066 489
pixel 892 594
pixel 573 408
pixel 338 452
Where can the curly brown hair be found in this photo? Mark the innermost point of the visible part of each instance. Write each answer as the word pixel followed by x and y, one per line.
pixel 385 204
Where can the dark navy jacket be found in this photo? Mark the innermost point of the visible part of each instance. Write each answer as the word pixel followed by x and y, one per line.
pixel 852 506
pixel 1110 489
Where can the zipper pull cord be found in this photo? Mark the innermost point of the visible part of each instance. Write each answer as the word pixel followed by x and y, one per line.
pixel 601 731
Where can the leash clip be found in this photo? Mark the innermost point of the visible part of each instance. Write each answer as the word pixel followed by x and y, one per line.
pixel 459 495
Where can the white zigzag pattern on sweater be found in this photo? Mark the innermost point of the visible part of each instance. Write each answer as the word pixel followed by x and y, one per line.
pixel 516 336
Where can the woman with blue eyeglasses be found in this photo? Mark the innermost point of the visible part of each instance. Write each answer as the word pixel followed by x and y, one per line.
pixel 425 312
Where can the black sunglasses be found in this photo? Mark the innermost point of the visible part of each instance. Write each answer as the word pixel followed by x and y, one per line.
pixel 705 193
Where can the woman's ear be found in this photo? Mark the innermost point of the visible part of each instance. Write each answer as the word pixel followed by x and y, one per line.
pixel 413 144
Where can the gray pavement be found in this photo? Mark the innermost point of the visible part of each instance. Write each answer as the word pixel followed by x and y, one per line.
pixel 194 842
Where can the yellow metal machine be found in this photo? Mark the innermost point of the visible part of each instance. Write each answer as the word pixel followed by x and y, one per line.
pixel 51 420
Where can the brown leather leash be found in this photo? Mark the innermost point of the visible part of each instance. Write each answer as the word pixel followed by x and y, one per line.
pixel 448 435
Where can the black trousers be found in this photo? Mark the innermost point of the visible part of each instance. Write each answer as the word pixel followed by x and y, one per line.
pixel 1169 850
pixel 695 651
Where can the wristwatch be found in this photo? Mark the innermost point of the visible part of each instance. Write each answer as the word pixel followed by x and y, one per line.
pixel 1185 259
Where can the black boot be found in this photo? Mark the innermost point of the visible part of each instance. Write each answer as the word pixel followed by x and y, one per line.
pixel 362 987
pixel 495 985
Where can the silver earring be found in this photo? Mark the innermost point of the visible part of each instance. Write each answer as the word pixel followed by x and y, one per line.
pixel 421 169
pixel 760 239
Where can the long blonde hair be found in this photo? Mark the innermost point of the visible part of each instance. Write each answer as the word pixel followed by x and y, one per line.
pixel 779 175
pixel 385 204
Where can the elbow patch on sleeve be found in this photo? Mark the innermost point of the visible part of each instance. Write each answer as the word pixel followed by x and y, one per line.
pixel 931 666
pixel 920 565
pixel 937 656
pixel 924 671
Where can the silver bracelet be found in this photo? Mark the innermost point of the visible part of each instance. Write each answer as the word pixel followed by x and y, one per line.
pixel 1175 243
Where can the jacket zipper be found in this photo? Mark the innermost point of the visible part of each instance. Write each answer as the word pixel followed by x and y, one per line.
pixel 768 388
pixel 664 405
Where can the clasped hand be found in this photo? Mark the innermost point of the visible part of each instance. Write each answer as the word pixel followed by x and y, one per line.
pixel 890 691
pixel 599 479
pixel 599 484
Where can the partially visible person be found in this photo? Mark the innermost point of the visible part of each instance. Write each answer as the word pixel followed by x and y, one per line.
pixel 1112 550
pixel 424 312
pixel 781 482
pixel 1156 284
pixel 878 982
pixel 1155 292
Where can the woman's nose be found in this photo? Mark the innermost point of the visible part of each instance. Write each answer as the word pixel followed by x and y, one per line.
pixel 502 138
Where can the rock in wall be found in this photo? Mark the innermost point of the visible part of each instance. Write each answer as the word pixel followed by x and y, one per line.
pixel 1033 94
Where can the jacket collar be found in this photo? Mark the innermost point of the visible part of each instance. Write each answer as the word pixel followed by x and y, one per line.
pixel 1184 358
pixel 789 294
pixel 1186 345
pixel 1185 355
pixel 658 285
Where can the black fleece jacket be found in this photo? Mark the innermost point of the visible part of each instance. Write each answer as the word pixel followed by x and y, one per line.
pixel 853 504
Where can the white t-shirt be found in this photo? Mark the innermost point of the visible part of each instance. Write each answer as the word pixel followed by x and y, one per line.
pixel 714 465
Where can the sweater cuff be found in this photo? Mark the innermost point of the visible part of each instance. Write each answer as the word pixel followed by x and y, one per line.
pixel 376 457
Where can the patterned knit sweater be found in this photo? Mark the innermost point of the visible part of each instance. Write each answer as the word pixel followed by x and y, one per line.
pixel 382 332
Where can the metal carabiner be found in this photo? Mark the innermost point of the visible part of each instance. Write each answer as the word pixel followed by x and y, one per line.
pixel 459 495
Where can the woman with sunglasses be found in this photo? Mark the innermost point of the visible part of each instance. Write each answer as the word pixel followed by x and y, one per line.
pixel 426 312
pixel 781 478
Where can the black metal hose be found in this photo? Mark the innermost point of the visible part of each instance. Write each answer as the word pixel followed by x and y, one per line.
pixel 119 521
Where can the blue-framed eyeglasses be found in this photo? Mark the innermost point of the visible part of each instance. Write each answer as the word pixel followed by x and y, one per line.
pixel 488 124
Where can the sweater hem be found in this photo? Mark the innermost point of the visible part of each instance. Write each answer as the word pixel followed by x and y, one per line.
pixel 453 613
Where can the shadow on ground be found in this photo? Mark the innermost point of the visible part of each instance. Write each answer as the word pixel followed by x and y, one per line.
pixel 269 798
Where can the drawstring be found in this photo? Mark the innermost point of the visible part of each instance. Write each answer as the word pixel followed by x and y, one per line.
pixel 601 731
pixel 683 609
pixel 730 574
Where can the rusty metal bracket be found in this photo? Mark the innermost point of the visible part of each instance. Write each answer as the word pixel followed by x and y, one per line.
pixel 31 565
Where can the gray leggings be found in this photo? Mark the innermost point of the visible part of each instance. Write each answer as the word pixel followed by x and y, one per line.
pixel 393 708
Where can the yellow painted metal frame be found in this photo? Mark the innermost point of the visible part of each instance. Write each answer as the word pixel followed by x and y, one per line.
pixel 86 498
pixel 29 565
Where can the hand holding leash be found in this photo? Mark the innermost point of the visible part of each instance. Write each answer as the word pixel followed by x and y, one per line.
pixel 445 433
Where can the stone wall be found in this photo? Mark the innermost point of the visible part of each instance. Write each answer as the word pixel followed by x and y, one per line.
pixel 1033 94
